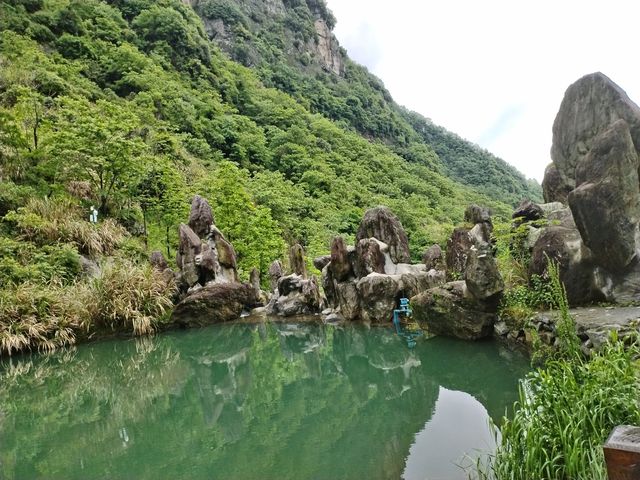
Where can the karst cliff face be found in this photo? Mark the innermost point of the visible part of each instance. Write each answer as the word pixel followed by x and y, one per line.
pixel 304 31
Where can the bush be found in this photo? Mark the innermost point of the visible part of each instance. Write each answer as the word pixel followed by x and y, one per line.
pixel 23 262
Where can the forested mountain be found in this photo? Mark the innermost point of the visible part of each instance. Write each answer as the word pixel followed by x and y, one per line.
pixel 290 45
pixel 135 105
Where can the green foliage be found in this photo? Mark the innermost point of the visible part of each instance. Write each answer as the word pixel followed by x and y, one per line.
pixel 250 228
pixel 50 222
pixel 565 413
pixel 24 262
pixel 568 407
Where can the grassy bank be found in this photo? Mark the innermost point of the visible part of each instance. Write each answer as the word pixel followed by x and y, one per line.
pixel 49 300
pixel 568 405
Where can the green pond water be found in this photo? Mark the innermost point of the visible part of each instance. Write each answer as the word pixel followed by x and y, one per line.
pixel 265 401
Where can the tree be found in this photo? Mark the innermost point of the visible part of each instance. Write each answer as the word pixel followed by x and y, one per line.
pixel 101 143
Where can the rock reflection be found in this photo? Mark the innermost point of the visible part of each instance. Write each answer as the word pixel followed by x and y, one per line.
pixel 237 402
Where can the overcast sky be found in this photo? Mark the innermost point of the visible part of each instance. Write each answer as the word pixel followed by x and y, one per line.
pixel 492 71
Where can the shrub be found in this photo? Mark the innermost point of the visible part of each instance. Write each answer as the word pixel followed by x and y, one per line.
pixel 22 261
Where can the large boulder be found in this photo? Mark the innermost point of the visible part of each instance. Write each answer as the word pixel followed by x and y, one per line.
pixel 321 261
pixel 348 299
pixel 482 276
pixel 606 202
pixel 369 257
pixel 295 295
pixel 214 303
pixel 189 248
pixel 589 107
pixel 225 256
pixel 451 310
pixel 201 217
pixel 383 225
pixel 433 258
pixel 477 214
pixel 527 211
pixel 296 260
pixel 458 247
pixel 554 187
pixel 377 294
pixel 564 246
pixel 276 271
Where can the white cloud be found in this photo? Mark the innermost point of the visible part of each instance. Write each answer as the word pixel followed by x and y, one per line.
pixel 492 71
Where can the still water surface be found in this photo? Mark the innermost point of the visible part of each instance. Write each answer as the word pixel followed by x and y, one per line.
pixel 243 402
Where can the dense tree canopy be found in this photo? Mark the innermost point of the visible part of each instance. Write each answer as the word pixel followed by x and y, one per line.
pixel 129 106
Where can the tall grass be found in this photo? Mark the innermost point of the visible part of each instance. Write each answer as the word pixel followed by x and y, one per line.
pixel 568 407
pixel 131 298
pixel 125 298
pixel 50 221
pixel 565 412
pixel 42 317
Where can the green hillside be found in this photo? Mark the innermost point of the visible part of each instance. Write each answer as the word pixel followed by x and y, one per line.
pixel 130 107
pixel 290 45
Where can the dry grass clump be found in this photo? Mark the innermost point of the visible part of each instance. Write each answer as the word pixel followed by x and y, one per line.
pixel 126 297
pixel 46 221
pixel 41 317
pixel 130 296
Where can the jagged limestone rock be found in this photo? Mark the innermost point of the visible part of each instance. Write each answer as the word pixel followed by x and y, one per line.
pixel 382 224
pixel 201 217
pixel 606 201
pixel 589 107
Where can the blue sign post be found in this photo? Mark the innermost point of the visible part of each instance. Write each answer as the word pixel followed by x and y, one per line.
pixel 404 311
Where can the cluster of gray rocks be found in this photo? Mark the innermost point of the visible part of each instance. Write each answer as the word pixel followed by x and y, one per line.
pixel 589 225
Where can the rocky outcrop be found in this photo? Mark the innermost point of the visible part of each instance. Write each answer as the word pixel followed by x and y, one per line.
pixel 465 308
pixel 369 257
pixel 606 200
pixel 433 258
pixel 295 295
pixel 596 140
pixel 481 275
pixel 589 107
pixel 296 260
pixel 380 223
pixel 214 303
pixel 189 248
pixel 341 265
pixel 201 217
pixel 321 261
pixel 365 282
pixel 276 271
pixel 451 310
pixel 458 247
pixel 207 275
pixel 527 211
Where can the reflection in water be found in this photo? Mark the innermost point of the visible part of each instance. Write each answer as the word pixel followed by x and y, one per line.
pixel 267 401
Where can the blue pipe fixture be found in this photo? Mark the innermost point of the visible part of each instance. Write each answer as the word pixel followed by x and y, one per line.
pixel 404 311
